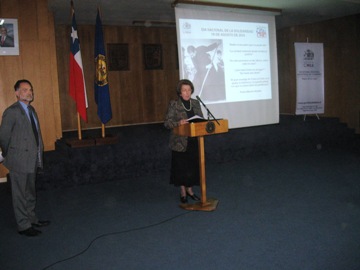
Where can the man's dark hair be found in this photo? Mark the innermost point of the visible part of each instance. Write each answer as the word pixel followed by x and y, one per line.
pixel 17 84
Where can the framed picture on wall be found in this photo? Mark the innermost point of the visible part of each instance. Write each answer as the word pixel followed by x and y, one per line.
pixel 9 37
pixel 152 56
pixel 118 56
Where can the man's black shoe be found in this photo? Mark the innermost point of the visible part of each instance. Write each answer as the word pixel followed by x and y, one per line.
pixel 41 223
pixel 30 232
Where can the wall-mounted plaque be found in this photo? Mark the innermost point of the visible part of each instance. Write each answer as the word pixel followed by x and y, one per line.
pixel 152 56
pixel 118 56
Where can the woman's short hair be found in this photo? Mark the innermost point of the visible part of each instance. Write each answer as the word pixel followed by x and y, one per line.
pixel 184 82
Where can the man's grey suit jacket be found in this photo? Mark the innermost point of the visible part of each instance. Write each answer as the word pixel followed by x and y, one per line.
pixel 17 140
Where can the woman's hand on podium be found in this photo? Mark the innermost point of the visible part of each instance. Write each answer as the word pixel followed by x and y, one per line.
pixel 183 122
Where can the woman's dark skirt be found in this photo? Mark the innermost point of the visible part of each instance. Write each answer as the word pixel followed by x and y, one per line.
pixel 185 165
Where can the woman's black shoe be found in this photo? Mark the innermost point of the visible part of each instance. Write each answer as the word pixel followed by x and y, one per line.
pixel 194 196
pixel 183 199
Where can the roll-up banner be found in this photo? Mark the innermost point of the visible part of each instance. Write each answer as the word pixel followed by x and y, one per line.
pixel 309 78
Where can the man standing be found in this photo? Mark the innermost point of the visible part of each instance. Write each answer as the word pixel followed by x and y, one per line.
pixel 22 147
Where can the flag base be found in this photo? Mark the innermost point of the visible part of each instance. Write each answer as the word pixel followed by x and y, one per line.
pixel 76 143
pixel 109 139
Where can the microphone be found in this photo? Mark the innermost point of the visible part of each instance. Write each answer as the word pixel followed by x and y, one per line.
pixel 199 99
pixel 209 113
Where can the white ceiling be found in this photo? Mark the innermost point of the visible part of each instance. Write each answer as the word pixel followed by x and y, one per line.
pixel 124 12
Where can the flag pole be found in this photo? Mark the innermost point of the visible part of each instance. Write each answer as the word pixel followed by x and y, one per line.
pixel 79 127
pixel 103 135
pixel 103 130
pixel 77 86
pixel 78 114
pixel 101 79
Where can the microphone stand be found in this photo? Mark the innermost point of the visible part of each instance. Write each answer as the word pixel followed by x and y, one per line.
pixel 208 111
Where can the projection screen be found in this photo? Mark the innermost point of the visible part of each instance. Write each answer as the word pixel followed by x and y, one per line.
pixel 231 59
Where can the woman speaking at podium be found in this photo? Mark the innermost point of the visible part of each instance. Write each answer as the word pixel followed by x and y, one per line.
pixel 185 155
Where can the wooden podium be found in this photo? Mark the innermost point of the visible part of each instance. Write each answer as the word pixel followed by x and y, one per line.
pixel 199 130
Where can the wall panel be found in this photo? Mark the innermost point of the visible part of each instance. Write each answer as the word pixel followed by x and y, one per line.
pixel 36 62
pixel 341 41
pixel 137 95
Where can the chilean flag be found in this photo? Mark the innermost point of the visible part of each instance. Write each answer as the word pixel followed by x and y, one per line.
pixel 76 81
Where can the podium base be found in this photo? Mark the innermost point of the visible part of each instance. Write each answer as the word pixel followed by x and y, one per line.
pixel 209 205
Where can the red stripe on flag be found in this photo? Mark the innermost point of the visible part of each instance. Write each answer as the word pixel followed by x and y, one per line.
pixel 77 87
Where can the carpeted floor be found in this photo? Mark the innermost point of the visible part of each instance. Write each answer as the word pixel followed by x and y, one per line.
pixel 290 210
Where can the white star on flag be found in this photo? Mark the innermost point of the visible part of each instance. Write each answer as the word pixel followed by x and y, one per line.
pixel 73 34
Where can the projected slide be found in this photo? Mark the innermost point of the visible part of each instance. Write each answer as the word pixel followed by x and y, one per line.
pixel 231 58
pixel 226 61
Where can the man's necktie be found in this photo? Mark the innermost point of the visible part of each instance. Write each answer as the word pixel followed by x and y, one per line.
pixel 36 134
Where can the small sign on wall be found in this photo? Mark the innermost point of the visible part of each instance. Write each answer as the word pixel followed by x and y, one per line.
pixel 152 56
pixel 9 37
pixel 118 56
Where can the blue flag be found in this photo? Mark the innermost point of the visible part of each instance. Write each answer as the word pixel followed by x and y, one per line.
pixel 102 95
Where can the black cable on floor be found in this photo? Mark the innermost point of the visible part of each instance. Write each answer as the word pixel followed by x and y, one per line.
pixel 115 233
